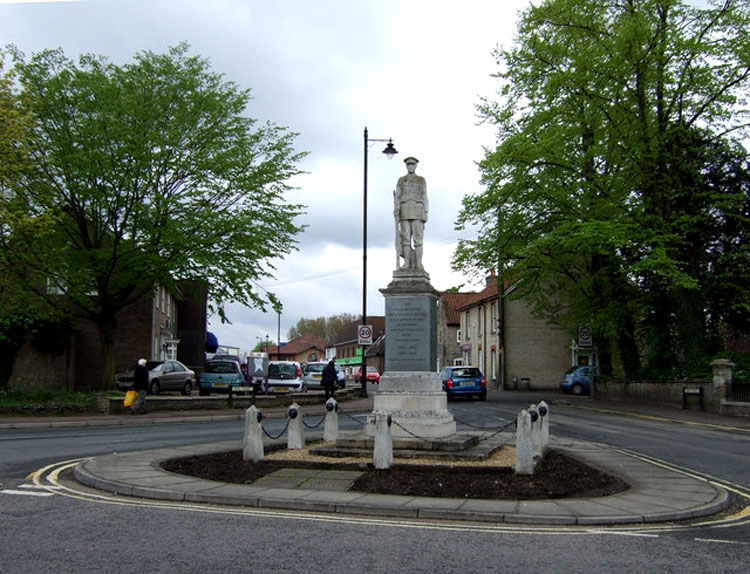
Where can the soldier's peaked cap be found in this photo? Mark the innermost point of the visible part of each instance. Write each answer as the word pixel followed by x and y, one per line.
pixel 411 159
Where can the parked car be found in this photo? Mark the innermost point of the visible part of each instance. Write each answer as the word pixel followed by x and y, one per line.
pixel 313 373
pixel 372 375
pixel 168 375
pixel 577 380
pixel 285 377
pixel 219 376
pixel 464 381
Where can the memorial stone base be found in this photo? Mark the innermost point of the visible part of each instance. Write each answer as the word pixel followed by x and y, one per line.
pixel 410 390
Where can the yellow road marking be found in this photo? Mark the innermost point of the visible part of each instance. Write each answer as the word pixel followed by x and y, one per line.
pixel 658 418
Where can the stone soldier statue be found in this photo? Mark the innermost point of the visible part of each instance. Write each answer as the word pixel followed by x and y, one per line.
pixel 410 208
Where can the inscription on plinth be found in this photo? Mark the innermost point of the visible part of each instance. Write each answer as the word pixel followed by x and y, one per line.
pixel 411 333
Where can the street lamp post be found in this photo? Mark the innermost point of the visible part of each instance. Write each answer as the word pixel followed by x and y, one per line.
pixel 389 151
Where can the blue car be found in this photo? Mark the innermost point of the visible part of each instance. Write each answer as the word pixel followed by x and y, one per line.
pixel 577 380
pixel 464 381
pixel 218 376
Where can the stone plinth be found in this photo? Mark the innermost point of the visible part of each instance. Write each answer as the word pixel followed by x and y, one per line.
pixel 410 390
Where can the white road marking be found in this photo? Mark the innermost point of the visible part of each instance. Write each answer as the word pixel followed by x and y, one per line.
pixel 25 492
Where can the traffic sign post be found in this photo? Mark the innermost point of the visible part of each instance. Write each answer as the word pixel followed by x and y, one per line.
pixel 364 335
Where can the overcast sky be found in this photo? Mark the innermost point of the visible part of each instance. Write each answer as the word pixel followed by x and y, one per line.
pixel 411 70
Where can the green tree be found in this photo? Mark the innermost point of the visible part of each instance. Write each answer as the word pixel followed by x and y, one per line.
pixel 583 207
pixel 327 328
pixel 144 174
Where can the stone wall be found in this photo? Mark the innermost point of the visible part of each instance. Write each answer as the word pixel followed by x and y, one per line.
pixel 672 393
pixel 662 393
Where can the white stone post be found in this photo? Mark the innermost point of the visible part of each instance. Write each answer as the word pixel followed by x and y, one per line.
pixel 383 452
pixel 722 371
pixel 295 436
pixel 331 424
pixel 524 444
pixel 544 413
pixel 536 433
pixel 252 445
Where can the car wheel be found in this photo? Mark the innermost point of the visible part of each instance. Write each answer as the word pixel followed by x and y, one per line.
pixel 483 396
pixel 203 392
pixel 577 389
pixel 187 388
pixel 154 388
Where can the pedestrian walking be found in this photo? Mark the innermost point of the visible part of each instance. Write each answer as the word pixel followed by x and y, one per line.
pixel 328 379
pixel 140 384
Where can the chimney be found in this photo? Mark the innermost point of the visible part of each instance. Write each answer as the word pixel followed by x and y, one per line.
pixel 491 279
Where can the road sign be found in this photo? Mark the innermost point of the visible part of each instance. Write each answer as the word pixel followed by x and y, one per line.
pixel 364 335
pixel 585 338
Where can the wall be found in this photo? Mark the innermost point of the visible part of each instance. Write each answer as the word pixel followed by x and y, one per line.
pixel 534 349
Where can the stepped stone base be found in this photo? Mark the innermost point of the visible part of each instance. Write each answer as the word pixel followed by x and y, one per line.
pixel 417 405
pixel 459 446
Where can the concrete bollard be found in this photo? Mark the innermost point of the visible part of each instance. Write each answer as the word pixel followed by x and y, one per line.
pixel 295 435
pixel 543 408
pixel 331 424
pixel 252 445
pixel 383 452
pixel 536 433
pixel 524 444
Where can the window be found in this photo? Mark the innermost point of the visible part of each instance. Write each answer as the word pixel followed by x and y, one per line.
pixel 458 335
pixel 493 318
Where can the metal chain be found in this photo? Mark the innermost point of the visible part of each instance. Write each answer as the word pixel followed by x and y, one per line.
pixel 501 429
pixel 498 431
pixel 343 412
pixel 313 427
pixel 471 425
pixel 277 436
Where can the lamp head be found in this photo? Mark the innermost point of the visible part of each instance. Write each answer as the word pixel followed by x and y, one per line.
pixel 389 150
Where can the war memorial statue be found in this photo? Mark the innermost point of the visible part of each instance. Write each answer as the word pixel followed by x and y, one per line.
pixel 410 209
pixel 410 390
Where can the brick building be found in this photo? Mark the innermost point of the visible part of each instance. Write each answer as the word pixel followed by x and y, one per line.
pixel 348 353
pixel 304 349
pixel 513 348
pixel 449 327
pixel 164 326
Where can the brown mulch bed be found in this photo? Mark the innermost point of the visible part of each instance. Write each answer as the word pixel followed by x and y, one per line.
pixel 557 476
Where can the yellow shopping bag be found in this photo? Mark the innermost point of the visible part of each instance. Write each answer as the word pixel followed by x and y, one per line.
pixel 130 398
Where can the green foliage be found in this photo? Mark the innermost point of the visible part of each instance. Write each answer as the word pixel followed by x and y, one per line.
pixel 262 345
pixel 614 197
pixel 144 174
pixel 327 328
pixel 43 397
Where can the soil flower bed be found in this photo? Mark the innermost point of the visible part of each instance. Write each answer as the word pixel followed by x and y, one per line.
pixel 556 476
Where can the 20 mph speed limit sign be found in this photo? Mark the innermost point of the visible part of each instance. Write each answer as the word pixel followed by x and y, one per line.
pixel 365 335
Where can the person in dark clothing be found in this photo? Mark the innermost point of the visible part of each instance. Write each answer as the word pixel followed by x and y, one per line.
pixel 328 379
pixel 140 384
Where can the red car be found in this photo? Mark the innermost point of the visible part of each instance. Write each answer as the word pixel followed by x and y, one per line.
pixel 372 375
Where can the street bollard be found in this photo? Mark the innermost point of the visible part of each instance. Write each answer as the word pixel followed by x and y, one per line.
pixel 544 413
pixel 536 433
pixel 252 445
pixel 383 452
pixel 295 435
pixel 331 425
pixel 524 444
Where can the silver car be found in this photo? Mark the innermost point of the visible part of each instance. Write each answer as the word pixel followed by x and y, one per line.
pixel 285 377
pixel 167 375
